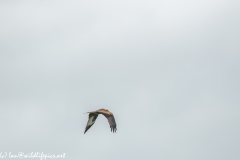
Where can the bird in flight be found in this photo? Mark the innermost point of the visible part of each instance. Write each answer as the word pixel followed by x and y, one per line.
pixel 93 116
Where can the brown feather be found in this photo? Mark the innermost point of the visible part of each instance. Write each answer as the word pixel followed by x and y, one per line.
pixel 93 116
pixel 110 118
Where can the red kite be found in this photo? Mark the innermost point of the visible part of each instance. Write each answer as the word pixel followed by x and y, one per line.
pixel 93 116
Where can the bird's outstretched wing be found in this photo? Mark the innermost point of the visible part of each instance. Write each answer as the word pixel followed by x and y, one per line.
pixel 91 120
pixel 111 120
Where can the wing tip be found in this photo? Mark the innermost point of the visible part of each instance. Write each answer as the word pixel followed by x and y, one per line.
pixel 113 130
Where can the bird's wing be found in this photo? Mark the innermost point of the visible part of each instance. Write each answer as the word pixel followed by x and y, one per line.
pixel 91 120
pixel 111 120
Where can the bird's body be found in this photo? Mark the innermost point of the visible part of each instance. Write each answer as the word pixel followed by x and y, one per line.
pixel 94 114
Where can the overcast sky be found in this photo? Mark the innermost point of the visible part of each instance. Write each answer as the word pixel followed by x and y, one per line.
pixel 168 70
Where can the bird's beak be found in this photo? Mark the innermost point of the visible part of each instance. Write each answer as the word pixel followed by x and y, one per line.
pixel 86 112
pixel 89 112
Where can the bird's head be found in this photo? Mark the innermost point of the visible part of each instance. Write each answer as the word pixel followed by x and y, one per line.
pixel 91 112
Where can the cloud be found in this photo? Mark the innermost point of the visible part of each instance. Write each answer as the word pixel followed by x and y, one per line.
pixel 167 70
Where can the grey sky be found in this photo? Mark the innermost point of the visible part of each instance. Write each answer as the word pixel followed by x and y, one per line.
pixel 168 70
